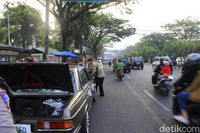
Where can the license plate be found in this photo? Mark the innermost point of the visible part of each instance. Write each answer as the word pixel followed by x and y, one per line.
pixel 23 128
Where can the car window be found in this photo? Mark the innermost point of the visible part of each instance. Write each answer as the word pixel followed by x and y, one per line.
pixel 73 81
pixel 87 74
pixel 83 77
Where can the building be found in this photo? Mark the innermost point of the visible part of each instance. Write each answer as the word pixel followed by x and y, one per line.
pixel 8 53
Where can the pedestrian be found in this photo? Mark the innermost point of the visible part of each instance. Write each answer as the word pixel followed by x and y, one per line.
pixel 6 119
pixel 97 70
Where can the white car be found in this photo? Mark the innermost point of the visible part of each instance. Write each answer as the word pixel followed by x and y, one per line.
pixel 156 62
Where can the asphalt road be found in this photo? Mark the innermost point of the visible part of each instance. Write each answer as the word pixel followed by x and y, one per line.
pixel 131 105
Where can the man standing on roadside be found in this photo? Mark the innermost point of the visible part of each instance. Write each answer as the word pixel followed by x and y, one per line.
pixel 6 119
pixel 97 71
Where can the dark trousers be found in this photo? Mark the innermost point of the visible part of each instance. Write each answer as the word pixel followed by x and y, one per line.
pixel 99 83
pixel 154 78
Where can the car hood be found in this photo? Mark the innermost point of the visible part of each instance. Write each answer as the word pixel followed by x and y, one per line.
pixel 37 76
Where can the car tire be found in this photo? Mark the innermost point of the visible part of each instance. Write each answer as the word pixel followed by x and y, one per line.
pixel 94 98
pixel 85 126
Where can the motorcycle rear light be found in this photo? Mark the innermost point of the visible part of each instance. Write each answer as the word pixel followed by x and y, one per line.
pixel 67 124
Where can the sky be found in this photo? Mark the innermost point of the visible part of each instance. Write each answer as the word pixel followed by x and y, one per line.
pixel 147 16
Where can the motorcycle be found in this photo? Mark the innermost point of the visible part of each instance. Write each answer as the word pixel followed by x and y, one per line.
pixel 109 64
pixel 193 108
pixel 164 86
pixel 120 75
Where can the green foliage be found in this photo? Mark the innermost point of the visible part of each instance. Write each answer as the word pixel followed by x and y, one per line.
pixel 140 49
pixel 185 29
pixel 103 28
pixel 183 38
pixel 70 14
pixel 26 26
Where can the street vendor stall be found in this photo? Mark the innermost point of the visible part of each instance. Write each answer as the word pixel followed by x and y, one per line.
pixel 8 53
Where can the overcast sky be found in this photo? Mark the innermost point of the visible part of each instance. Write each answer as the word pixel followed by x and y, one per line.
pixel 147 16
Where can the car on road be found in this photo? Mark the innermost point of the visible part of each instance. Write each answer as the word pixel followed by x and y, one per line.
pixel 49 98
pixel 137 62
pixel 127 67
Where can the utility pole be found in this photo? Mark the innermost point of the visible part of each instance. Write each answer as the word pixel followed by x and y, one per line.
pixel 8 17
pixel 46 32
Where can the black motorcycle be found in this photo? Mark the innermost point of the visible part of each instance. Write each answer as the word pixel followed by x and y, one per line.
pixel 193 109
pixel 164 86
pixel 110 63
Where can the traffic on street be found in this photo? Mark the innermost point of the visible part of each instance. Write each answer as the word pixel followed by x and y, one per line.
pixel 132 105
pixel 99 66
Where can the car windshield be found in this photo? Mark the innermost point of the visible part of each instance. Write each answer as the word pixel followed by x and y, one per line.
pixel 157 59
pixel 137 59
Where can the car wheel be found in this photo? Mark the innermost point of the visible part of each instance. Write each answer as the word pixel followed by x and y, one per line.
pixel 85 127
pixel 94 99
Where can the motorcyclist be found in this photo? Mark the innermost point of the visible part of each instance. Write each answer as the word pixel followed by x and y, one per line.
pixel 190 79
pixel 119 66
pixel 110 63
pixel 165 71
pixel 157 72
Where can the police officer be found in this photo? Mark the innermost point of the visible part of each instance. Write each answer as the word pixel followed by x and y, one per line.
pixel 6 119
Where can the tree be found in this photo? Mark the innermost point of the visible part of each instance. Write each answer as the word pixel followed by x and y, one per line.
pixel 157 40
pixel 26 26
pixel 182 47
pixel 140 49
pixel 67 12
pixel 105 28
pixel 185 29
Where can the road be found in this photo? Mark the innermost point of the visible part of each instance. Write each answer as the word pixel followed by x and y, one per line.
pixel 131 105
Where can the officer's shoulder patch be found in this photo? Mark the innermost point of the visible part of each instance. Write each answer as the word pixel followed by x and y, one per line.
pixel 5 98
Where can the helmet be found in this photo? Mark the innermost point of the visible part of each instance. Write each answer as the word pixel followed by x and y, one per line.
pixel 166 63
pixel 194 57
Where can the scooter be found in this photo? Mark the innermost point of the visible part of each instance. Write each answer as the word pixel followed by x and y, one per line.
pixel 193 109
pixel 109 64
pixel 120 75
pixel 164 86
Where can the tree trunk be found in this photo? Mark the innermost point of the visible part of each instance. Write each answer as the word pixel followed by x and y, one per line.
pixel 95 52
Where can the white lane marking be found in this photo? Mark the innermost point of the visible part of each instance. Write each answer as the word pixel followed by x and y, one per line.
pixel 153 98
pixel 128 77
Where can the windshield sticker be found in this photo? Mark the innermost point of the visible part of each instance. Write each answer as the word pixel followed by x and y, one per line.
pixel 31 80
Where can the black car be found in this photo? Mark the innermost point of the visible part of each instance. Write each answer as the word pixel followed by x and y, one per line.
pixel 137 62
pixel 49 97
pixel 127 67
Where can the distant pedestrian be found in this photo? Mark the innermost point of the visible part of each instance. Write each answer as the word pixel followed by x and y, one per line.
pixel 97 70
pixel 6 119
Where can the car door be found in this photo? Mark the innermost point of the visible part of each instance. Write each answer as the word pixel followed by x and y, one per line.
pixel 86 86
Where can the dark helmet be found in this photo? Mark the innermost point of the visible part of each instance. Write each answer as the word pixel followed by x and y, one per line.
pixel 192 62
pixel 193 58
pixel 161 60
